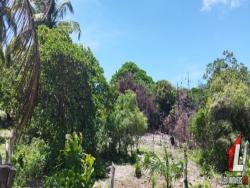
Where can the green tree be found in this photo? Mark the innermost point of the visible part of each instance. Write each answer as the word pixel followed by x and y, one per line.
pixel 165 96
pixel 67 95
pixel 139 75
pixel 225 70
pixel 131 77
pixel 226 112
pixel 128 122
pixel 25 49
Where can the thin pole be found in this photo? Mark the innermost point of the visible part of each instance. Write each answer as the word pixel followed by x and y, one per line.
pixel 112 175
pixel 245 162
pixel 185 183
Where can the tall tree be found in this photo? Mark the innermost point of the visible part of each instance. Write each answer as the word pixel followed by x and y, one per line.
pixel 21 47
pixel 226 112
pixel 56 14
pixel 139 75
pixel 25 49
pixel 129 122
pixel 144 99
pixel 130 76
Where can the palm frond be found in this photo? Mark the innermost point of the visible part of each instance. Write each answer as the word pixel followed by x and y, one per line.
pixel 156 165
pixel 27 40
pixel 70 27
pixel 7 25
pixel 26 52
pixel 63 7
pixel 153 163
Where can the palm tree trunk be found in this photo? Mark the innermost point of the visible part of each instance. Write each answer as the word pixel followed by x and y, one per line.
pixel 32 90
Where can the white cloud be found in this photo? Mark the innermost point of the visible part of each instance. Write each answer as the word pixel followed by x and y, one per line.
pixel 208 4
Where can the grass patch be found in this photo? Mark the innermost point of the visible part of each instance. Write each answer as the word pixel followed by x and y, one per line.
pixel 195 155
pixel 205 184
pixel 207 170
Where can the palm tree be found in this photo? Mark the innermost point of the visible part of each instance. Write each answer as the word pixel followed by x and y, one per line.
pixel 18 14
pixel 56 14
pixel 164 167
pixel 18 37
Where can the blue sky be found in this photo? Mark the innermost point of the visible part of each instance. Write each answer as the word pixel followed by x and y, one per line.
pixel 169 39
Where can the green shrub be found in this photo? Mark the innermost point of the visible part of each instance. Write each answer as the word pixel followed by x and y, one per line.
pixel 29 161
pixel 70 178
pixel 165 167
pixel 77 169
pixel 138 172
pixel 2 140
pixel 128 122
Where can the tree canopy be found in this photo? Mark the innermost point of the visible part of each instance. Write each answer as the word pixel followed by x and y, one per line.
pixel 139 75
pixel 226 112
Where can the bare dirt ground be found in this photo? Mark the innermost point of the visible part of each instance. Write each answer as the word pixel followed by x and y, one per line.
pixel 124 174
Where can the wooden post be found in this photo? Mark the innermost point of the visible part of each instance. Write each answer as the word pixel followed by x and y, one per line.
pixel 153 142
pixel 7 175
pixel 112 176
pixel 12 144
pixel 245 161
pixel 11 177
pixel 185 183
pixel 7 156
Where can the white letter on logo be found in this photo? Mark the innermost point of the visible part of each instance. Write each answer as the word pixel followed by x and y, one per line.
pixel 236 166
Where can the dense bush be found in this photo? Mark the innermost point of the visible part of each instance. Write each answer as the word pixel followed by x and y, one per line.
pixel 128 122
pixel 29 161
pixel 144 96
pixel 77 166
pixel 165 96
